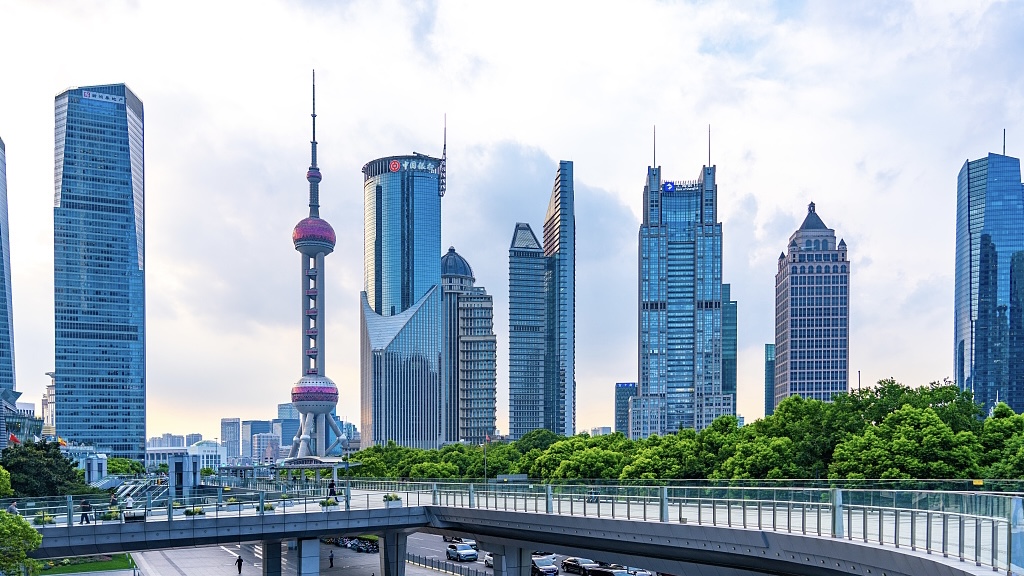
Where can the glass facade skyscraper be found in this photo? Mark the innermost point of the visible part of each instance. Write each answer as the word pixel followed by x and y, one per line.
pixel 231 436
pixel 469 354
pixel 769 379
pixel 687 321
pixel 812 311
pixel 988 323
pixel 99 270
pixel 400 312
pixel 6 310
pixel 623 392
pixel 542 318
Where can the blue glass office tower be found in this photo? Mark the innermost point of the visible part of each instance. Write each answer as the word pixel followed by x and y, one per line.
pixel 623 392
pixel 542 318
pixel 99 270
pixel 6 310
pixel 400 312
pixel 686 317
pixel 988 323
pixel 769 379
pixel 812 313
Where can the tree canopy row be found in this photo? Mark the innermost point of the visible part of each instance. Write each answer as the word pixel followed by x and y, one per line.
pixel 890 431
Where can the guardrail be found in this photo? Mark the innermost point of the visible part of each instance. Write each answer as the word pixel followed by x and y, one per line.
pixel 969 526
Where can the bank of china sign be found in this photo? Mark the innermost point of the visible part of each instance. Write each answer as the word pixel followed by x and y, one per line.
pixel 102 97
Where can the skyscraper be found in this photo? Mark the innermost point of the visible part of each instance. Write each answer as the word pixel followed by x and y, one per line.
pixel 315 395
pixel 812 309
pixel 400 311
pixel 623 392
pixel 469 354
pixel 251 428
pixel 542 318
pixel 6 310
pixel 230 436
pixel 769 379
pixel 988 322
pixel 99 270
pixel 687 320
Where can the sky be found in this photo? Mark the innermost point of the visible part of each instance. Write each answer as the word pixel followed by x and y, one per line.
pixel 869 109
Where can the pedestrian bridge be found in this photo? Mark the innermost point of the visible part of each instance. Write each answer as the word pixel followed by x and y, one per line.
pixel 680 530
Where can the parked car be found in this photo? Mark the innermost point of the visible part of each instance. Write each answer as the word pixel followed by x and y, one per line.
pixel 460 540
pixel 578 565
pixel 542 566
pixel 461 553
pixel 489 560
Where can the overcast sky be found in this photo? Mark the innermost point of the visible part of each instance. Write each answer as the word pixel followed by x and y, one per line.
pixel 868 109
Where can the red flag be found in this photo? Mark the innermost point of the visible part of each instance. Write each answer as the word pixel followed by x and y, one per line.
pixel 488 437
pixel 13 439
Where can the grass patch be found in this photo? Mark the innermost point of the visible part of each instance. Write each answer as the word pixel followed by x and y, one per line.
pixel 88 564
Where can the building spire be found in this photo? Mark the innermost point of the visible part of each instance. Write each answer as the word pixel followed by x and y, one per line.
pixel 313 175
pixel 443 176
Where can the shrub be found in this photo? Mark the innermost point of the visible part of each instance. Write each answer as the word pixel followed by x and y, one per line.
pixel 268 506
pixel 194 511
pixel 43 518
pixel 232 500
pixel 392 497
pixel 329 502
pixel 177 504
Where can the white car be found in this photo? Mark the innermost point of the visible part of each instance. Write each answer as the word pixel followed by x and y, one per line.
pixel 489 560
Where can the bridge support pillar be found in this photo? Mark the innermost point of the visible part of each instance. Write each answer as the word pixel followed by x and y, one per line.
pixel 548 500
pixel 392 553
pixel 272 558
pixel 509 560
pixel 309 557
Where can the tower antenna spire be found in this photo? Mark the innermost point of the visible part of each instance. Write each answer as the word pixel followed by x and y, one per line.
pixel 443 176
pixel 655 148
pixel 709 145
pixel 1004 141
pixel 313 174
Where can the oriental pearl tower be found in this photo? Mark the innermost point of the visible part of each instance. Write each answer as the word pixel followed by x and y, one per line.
pixel 314 395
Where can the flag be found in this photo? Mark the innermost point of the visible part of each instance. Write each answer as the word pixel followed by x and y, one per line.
pixel 62 441
pixel 13 439
pixel 487 437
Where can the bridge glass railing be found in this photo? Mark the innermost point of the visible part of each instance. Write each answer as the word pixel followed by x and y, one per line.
pixel 965 525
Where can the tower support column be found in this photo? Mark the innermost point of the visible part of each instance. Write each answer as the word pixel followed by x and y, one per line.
pixel 509 560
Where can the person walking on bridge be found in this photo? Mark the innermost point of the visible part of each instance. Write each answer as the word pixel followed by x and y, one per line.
pixel 86 510
pixel 238 562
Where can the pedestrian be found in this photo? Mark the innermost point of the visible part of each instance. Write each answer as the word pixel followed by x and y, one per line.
pixel 86 509
pixel 331 490
pixel 13 508
pixel 129 502
pixel 238 562
pixel 113 500
pixel 331 558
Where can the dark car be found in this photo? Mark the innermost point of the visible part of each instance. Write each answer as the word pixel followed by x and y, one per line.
pixel 543 567
pixel 578 565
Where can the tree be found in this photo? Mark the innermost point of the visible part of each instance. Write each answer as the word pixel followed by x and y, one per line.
pixel 40 469
pixel 5 482
pixel 426 470
pixel 910 443
pixel 207 471
pixel 17 539
pixel 124 466
pixel 590 463
pixel 762 457
pixel 718 442
pixel 540 439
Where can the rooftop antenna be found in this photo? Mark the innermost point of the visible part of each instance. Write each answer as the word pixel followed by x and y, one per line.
pixel 655 148
pixel 709 145
pixel 443 177
pixel 313 175
pixel 1004 141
